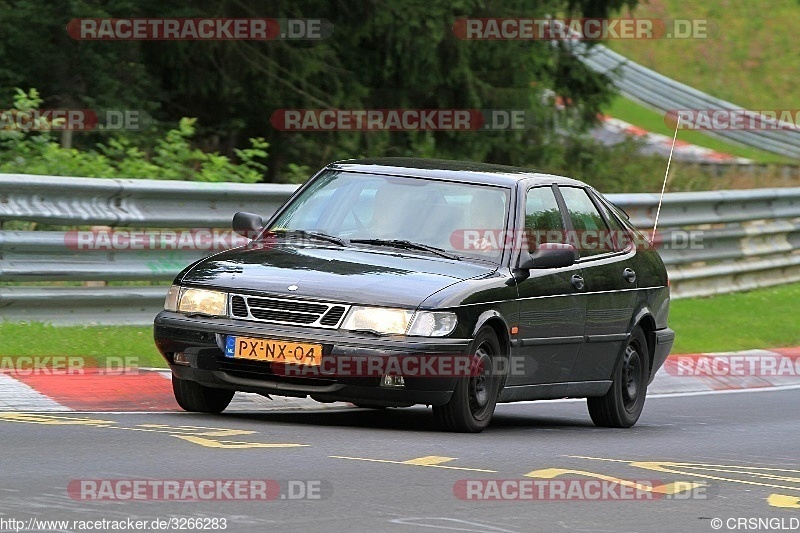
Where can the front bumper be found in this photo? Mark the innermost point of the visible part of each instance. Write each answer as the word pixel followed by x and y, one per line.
pixel 202 340
pixel 664 339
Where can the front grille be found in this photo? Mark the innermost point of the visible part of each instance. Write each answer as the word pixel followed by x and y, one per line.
pixel 271 315
pixel 238 307
pixel 287 305
pixel 278 310
pixel 333 316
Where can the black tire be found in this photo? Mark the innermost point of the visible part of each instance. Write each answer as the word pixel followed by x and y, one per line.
pixel 623 403
pixel 192 396
pixel 474 398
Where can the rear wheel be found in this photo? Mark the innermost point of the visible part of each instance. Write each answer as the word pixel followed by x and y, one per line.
pixel 192 396
pixel 474 398
pixel 623 403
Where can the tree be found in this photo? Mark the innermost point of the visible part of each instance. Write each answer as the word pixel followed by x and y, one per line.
pixel 383 54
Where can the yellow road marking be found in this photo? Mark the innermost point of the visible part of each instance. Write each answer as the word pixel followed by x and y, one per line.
pixel 787 502
pixel 195 430
pixel 233 444
pixel 193 434
pixel 430 461
pixel 681 464
pixel 29 418
pixel 668 488
pixel 688 469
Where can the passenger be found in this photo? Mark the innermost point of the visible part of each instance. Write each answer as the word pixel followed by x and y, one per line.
pixel 487 216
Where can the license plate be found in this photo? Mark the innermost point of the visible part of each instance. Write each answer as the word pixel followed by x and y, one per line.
pixel 272 351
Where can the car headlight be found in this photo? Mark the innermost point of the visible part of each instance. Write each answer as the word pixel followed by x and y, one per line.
pixel 378 319
pixel 432 324
pixel 187 300
pixel 387 321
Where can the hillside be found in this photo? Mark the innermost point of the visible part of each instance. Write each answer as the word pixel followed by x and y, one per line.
pixel 756 72
pixel 752 61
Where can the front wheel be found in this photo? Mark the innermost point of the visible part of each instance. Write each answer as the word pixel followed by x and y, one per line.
pixel 623 403
pixel 192 396
pixel 474 398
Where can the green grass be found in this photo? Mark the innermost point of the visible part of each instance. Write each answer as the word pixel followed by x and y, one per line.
pixel 750 58
pixel 96 343
pixel 653 121
pixel 763 318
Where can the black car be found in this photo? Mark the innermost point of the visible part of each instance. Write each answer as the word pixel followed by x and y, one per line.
pixel 394 282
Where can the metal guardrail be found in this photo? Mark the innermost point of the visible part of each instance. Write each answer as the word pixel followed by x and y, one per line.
pixel 131 202
pixel 723 241
pixel 82 305
pixel 648 87
pixel 712 242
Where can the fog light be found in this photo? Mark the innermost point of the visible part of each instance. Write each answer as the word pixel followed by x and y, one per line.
pixel 393 381
pixel 181 358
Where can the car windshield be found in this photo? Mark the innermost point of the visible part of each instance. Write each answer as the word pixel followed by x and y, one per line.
pixel 366 207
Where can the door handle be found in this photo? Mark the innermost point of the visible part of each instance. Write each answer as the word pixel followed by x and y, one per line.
pixel 577 282
pixel 629 275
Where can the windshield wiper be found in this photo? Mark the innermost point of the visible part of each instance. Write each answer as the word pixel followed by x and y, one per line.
pixel 311 234
pixel 408 245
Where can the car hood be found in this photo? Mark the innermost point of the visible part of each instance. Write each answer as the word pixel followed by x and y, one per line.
pixel 353 275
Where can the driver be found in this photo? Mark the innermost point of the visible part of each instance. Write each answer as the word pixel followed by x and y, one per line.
pixel 486 215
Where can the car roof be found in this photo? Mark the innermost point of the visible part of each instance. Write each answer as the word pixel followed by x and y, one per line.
pixel 464 171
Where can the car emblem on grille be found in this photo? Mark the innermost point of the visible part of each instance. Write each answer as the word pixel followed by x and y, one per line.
pixel 292 287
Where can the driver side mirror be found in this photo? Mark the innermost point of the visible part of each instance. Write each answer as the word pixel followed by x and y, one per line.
pixel 247 224
pixel 547 255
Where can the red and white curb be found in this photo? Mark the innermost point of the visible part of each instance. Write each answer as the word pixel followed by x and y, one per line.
pixel 613 130
pixel 15 395
pixel 137 390
pixel 150 390
pixel 748 369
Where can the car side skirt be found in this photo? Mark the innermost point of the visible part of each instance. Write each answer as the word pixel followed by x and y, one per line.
pixel 552 391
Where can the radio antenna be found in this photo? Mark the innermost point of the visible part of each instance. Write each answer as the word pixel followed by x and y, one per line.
pixel 666 175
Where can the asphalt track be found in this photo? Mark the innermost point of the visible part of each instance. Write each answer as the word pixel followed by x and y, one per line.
pixel 725 455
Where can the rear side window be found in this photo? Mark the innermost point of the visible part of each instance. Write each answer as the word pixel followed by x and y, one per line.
pixel 620 236
pixel 543 221
pixel 591 235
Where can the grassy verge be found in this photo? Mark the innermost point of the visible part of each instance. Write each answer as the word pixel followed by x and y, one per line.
pixel 749 58
pixel 96 343
pixel 764 318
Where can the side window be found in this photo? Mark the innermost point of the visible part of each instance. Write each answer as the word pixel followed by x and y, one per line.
pixel 620 236
pixel 591 235
pixel 543 221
